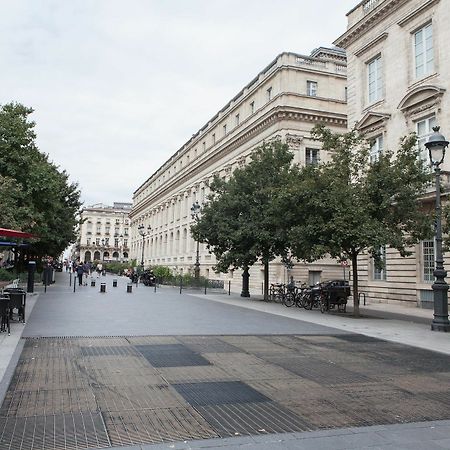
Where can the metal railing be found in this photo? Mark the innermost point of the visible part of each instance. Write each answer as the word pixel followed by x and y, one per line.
pixel 369 5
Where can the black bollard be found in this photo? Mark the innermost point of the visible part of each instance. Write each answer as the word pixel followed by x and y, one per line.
pixel 114 283
pixel 129 288
pixel 70 278
pixel 102 287
pixel 31 270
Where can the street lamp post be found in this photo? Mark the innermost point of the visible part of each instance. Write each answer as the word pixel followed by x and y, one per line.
pixel 436 146
pixel 195 211
pixel 143 233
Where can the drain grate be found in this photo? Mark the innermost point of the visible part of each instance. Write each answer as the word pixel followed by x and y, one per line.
pixel 219 393
pixel 252 419
pixel 53 432
pixel 171 355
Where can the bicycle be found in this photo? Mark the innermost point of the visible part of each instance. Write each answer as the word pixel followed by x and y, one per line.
pixel 277 292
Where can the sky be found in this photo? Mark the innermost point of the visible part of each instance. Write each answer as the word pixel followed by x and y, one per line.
pixel 117 87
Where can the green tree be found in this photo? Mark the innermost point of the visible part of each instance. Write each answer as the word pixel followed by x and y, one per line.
pixel 38 197
pixel 348 205
pixel 239 223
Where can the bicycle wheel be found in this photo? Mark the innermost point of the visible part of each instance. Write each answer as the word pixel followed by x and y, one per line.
pixel 308 301
pixel 289 299
pixel 271 293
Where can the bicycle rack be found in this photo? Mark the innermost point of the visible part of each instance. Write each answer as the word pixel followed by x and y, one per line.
pixel 363 295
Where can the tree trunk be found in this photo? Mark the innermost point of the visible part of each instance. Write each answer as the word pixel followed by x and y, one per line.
pixel 245 277
pixel 266 281
pixel 355 284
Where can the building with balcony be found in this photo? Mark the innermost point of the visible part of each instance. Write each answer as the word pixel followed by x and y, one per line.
pixel 284 101
pixel 105 233
pixel 399 82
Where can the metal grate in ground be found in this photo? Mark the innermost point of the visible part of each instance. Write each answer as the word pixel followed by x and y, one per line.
pixel 156 426
pixel 69 394
pixel 112 350
pixel 230 419
pixel 137 398
pixel 207 344
pixel 219 393
pixel 171 355
pixel 54 432
pixel 321 371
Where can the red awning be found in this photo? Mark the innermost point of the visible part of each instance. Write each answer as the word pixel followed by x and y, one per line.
pixel 14 233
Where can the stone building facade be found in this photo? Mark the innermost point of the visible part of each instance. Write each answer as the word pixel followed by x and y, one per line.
pixel 284 101
pixel 398 83
pixel 105 233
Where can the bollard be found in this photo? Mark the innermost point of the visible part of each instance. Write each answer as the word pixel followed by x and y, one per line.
pixel 31 270
pixel 92 282
pixel 114 283
pixel 229 287
pixel 102 287
pixel 129 288
pixel 70 278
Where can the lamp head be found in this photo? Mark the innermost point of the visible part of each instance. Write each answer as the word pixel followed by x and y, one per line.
pixel 436 146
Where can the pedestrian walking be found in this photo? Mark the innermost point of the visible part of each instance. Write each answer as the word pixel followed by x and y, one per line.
pixel 86 272
pixel 99 269
pixel 80 272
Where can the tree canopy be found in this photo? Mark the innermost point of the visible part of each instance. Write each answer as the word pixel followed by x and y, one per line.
pixel 35 196
pixel 350 205
pixel 239 223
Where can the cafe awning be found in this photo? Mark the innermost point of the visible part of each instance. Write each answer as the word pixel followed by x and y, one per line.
pixel 15 234
pixel 12 244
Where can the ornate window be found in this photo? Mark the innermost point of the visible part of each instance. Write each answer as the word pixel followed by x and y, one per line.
pixel 379 273
pixel 311 88
pixel 312 156
pixel 424 129
pixel 376 149
pixel 423 51
pixel 428 261
pixel 374 80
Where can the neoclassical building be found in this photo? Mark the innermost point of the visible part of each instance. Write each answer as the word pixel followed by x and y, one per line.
pixel 284 101
pixel 105 232
pixel 399 82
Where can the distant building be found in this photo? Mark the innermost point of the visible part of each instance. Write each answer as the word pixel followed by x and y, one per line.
pixel 398 83
pixel 105 232
pixel 284 101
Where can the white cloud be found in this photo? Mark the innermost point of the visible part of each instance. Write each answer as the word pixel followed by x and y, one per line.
pixel 118 87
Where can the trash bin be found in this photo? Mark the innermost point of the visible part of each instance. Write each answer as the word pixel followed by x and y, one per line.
pixel 114 283
pixel 129 288
pixel 102 287
pixel 92 282
pixel 18 300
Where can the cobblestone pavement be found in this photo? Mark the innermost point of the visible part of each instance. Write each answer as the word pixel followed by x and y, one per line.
pixel 316 387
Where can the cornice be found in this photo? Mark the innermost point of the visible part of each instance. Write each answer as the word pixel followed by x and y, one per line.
pixel 278 114
pixel 413 14
pixel 371 44
pixel 367 22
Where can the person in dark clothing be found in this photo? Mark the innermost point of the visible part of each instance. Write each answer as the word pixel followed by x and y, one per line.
pixel 80 272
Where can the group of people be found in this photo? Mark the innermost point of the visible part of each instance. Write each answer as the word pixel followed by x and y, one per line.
pixel 85 270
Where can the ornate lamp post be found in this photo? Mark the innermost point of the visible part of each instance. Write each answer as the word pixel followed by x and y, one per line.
pixel 195 211
pixel 102 243
pixel 143 233
pixel 436 146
